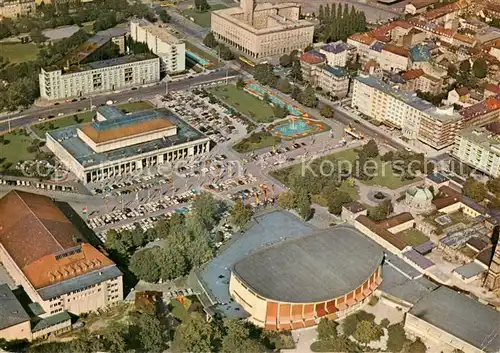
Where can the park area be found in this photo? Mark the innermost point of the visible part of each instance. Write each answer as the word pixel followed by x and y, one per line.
pixel 14 148
pixel 202 19
pixel 84 117
pixel 245 103
pixel 19 52
pixel 255 141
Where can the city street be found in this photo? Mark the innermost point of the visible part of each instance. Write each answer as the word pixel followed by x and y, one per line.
pixel 32 114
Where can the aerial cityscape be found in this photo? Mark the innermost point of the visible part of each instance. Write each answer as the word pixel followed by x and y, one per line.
pixel 250 176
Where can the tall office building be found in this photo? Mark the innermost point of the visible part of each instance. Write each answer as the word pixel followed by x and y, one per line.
pixel 262 30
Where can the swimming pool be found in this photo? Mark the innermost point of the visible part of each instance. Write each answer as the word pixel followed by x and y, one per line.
pixel 197 58
pixel 274 99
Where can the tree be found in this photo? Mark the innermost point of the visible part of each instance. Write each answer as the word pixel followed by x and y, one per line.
pixel 172 262
pixel 37 36
pixel 114 337
pixel 207 208
pixel 367 331
pixel 285 60
pixel 284 86
pixel 201 5
pixel 327 111
pixel 296 92
pixel 164 16
pixel 480 68
pixel 264 74
pixel 266 97
pixel 397 338
pixel 287 200
pixel 304 205
pixel 474 189
pixel 465 66
pixel 382 211
pixel 326 329
pixel 296 71
pixel 193 335
pixel 308 97
pixel 385 321
pixel 150 332
pixel 280 112
pixel 241 214
pixel 144 264
pixel 371 149
pixel 336 200
pixel 349 325
pixel 238 338
pixel 416 346
pixel 225 53
pixel 210 40
pixel 240 84
pixel 494 185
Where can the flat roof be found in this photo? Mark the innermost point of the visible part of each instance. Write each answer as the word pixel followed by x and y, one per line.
pixel 104 63
pixel 126 126
pixel 159 31
pixel 470 270
pixel 316 268
pixel 409 98
pixel 87 157
pixel 481 136
pixel 11 311
pixel 462 317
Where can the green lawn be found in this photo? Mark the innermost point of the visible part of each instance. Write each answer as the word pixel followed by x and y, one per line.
pixel 256 141
pixel 19 52
pixel 353 190
pixel 413 237
pixel 386 178
pixel 85 117
pixel 245 103
pixel 16 149
pixel 202 19
pixel 178 310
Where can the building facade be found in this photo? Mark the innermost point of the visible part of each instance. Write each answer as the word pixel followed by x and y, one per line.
pixel 106 149
pixel 170 49
pixel 39 251
pixel 417 119
pixel 99 77
pixel 334 81
pixel 478 148
pixel 263 30
pixel 16 8
pixel 336 53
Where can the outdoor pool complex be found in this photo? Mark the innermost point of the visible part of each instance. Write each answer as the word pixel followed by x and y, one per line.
pixel 197 58
pixel 293 128
pixel 274 99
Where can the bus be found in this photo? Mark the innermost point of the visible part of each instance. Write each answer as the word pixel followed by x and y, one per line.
pixel 246 61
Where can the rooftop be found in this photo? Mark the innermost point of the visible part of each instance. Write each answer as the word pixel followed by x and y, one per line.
pixel 444 114
pixel 160 31
pixel 422 3
pixel 470 270
pixel 481 108
pixel 462 317
pixel 336 70
pixel 481 136
pixel 413 74
pixel 437 178
pixel 382 232
pixel 312 57
pixel 364 38
pixel 11 311
pixel 419 53
pixel 87 157
pixel 395 220
pixel 336 47
pixel 42 241
pixel 396 49
pixel 315 268
pixel 126 126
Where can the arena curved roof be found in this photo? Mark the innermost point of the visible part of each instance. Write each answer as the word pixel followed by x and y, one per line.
pixel 316 268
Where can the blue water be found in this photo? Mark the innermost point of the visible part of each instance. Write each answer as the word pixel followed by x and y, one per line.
pixel 197 58
pixel 293 128
pixel 275 99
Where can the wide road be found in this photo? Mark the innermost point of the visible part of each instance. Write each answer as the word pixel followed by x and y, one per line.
pixel 32 114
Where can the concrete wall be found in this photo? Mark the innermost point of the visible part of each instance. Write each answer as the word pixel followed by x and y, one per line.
pixel 255 306
pixel 19 331
pixel 426 330
pixel 401 227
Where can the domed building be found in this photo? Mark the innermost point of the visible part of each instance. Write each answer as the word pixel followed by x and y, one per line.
pixel 419 197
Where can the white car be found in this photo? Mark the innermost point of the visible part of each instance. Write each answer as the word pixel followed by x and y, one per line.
pixel 60 114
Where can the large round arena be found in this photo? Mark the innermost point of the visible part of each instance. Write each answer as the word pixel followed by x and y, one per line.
pixel 295 283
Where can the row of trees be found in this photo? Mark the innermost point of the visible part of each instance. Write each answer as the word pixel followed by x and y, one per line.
pixel 224 52
pixel 299 201
pixel 338 22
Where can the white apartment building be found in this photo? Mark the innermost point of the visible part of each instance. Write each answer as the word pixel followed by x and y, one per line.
pixel 100 76
pixel 479 148
pixel 334 80
pixel 16 8
pixel 417 119
pixel 335 53
pixel 393 58
pixel 170 49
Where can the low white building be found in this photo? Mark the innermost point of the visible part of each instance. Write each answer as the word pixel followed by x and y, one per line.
pixel 119 144
pixel 334 80
pixel 478 148
pixel 98 77
pixel 335 53
pixel 160 40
